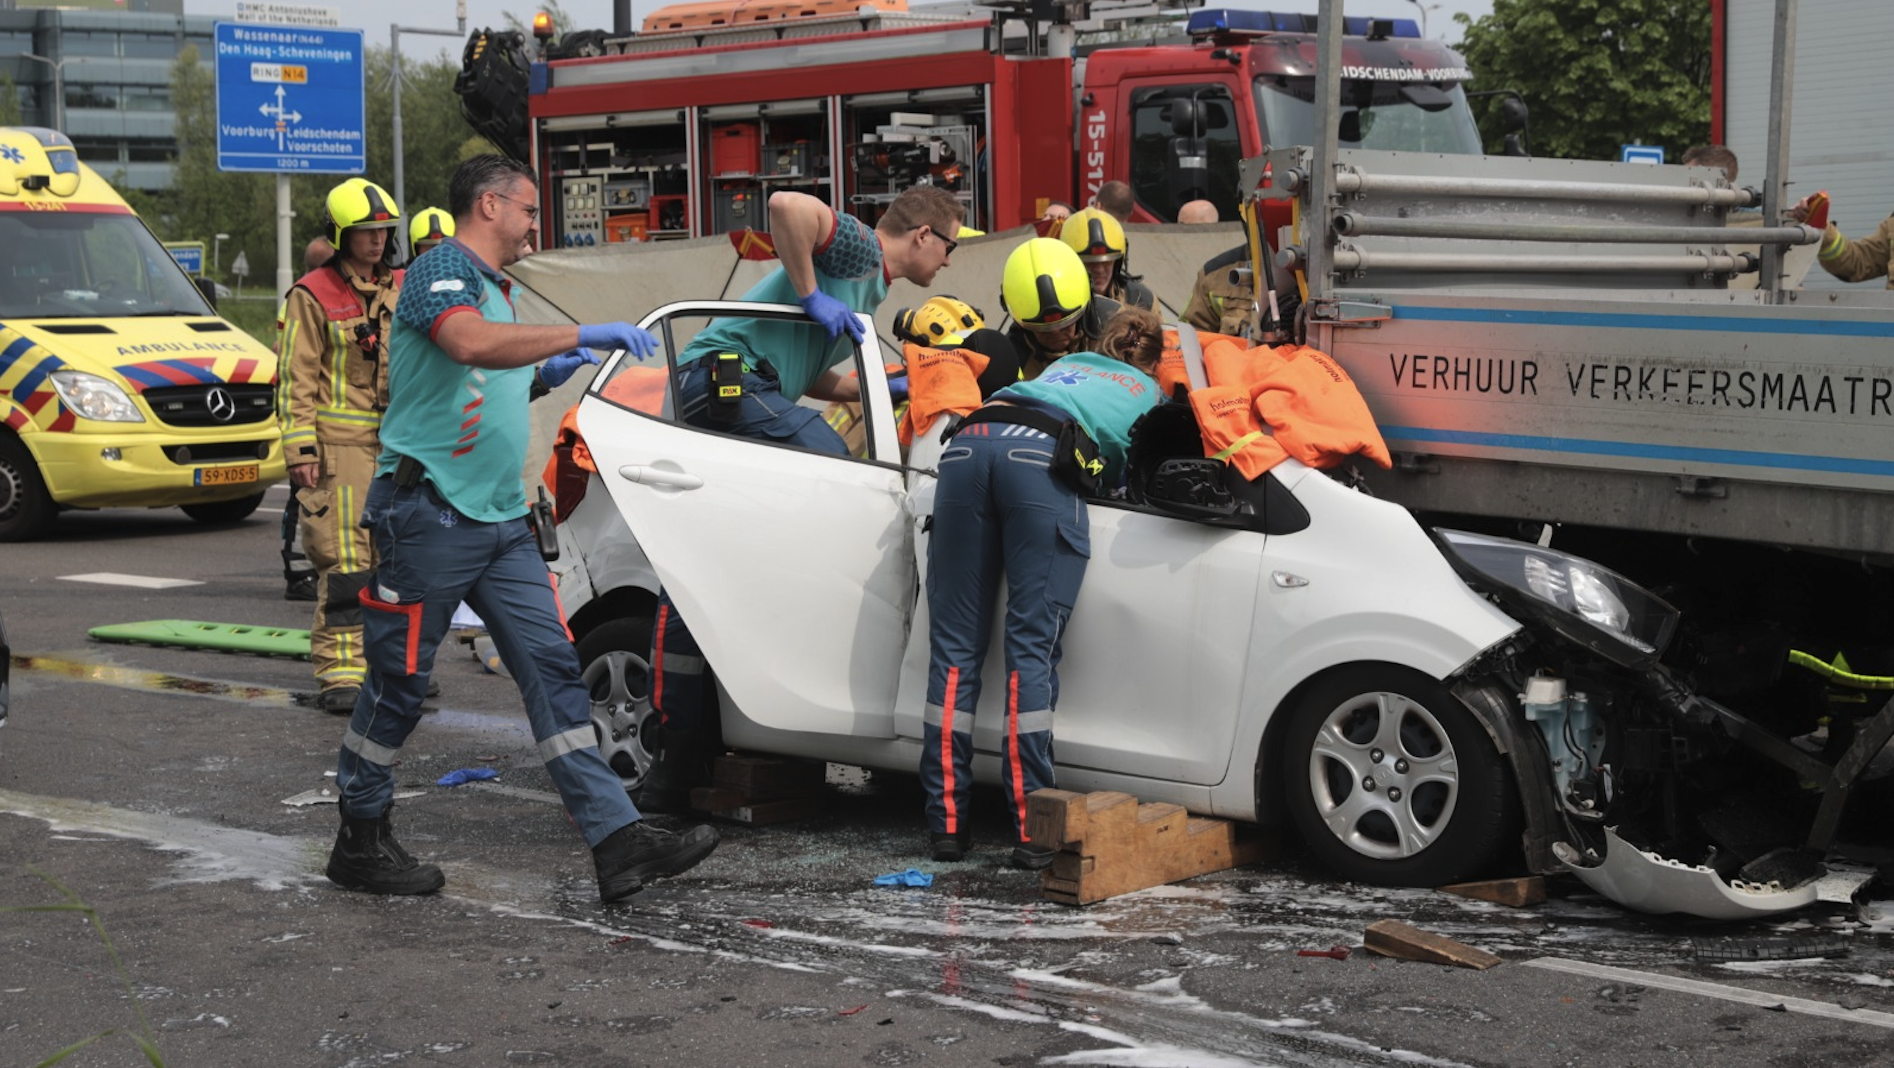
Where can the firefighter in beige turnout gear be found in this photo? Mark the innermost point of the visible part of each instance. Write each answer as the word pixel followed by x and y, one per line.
pixel 333 389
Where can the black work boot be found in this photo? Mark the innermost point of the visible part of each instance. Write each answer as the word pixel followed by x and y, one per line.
pixel 638 852
pixel 366 857
pixel 679 766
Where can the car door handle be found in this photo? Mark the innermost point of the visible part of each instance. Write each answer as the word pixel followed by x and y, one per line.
pixel 657 476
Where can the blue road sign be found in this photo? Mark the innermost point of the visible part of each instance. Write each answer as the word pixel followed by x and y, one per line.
pixel 1641 154
pixel 290 100
pixel 190 255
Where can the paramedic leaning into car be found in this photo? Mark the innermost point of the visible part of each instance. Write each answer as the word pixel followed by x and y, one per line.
pixel 835 266
pixel 334 387
pixel 1010 505
pixel 449 517
pixel 1858 260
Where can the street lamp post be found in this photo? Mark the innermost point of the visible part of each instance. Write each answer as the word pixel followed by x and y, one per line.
pixel 217 254
pixel 1424 9
pixel 59 88
pixel 394 49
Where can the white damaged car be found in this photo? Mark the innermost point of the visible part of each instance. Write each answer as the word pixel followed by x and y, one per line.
pixel 1424 707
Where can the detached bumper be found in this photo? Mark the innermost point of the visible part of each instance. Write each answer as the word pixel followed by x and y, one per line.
pixel 1646 882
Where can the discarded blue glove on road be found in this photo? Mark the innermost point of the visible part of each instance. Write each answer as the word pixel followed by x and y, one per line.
pixel 558 369
pixel 463 775
pixel 910 877
pixel 834 316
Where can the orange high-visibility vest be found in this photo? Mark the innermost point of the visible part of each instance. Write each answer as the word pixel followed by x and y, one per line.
pixel 1226 416
pixel 1318 413
pixel 939 380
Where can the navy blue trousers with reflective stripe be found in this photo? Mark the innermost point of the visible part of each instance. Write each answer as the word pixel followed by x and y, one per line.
pixel 998 513
pixel 680 690
pixel 432 558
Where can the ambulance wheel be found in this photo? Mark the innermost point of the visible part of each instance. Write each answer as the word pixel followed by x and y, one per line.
pixel 1392 781
pixel 26 509
pixel 612 659
pixel 220 513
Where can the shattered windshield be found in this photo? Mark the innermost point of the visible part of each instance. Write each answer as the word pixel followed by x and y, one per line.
pixel 1386 115
pixel 89 265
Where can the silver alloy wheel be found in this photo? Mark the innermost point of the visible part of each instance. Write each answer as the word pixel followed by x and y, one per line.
pixel 1383 775
pixel 622 718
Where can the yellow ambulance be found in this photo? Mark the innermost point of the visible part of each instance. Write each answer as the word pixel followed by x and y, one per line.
pixel 119 384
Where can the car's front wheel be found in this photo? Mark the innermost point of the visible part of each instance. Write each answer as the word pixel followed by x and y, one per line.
pixel 26 510
pixel 1392 781
pixel 612 658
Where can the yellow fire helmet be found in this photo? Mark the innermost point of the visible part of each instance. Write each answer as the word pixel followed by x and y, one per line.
pixel 430 227
pixel 360 202
pixel 1044 286
pixel 943 320
pixel 1094 235
pixel 968 231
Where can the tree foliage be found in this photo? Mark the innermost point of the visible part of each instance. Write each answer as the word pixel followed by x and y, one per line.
pixel 202 201
pixel 10 110
pixel 1597 74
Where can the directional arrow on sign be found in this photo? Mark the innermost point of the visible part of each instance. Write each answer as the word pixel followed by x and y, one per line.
pixel 283 119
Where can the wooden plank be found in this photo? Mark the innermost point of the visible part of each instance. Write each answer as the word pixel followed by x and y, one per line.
pixel 761 813
pixel 1109 844
pixel 1528 890
pixel 1392 938
pixel 760 778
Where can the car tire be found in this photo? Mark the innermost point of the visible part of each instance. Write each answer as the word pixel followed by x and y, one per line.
pixel 26 509
pixel 618 678
pixel 220 513
pixel 1392 781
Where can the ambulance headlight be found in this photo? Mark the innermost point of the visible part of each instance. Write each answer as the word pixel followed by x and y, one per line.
pixel 92 397
pixel 1580 600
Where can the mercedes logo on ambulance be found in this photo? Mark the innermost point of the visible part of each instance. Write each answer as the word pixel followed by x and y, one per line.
pixel 223 407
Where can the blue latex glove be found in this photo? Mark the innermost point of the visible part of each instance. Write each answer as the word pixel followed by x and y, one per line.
pixel 455 778
pixel 833 316
pixel 557 369
pixel 608 336
pixel 898 388
pixel 910 877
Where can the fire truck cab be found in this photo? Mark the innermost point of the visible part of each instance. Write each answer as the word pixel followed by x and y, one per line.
pixel 686 128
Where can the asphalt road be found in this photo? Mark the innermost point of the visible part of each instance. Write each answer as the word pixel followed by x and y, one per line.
pixel 148 784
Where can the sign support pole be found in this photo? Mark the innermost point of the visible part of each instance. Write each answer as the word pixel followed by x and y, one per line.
pixel 284 278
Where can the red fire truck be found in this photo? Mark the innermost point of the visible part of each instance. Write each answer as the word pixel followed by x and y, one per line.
pixel 686 128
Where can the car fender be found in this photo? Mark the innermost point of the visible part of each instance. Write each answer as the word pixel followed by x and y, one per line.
pixel 600 559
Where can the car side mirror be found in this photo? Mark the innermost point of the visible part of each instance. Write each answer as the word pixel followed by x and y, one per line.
pixel 208 287
pixel 1193 487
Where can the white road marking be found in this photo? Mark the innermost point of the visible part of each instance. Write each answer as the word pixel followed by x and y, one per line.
pixel 147 582
pixel 1826 1009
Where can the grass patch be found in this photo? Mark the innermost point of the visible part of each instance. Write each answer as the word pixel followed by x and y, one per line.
pixel 140 1034
pixel 255 316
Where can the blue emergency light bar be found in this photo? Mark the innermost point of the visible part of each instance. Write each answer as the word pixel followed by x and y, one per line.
pixel 1213 21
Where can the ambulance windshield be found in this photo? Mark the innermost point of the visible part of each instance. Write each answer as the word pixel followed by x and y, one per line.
pixel 89 265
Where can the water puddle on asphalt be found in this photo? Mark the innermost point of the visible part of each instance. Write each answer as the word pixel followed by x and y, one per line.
pixel 140 679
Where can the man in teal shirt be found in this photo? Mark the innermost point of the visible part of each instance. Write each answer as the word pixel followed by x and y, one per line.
pixel 448 513
pixel 836 267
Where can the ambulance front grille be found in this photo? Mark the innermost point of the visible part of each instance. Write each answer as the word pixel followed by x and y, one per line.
pixel 222 404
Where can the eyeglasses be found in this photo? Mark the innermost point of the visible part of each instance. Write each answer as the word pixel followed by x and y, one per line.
pixel 948 241
pixel 532 210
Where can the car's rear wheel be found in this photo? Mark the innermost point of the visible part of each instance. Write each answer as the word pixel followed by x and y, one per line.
pixel 617 675
pixel 1392 781
pixel 218 513
pixel 26 509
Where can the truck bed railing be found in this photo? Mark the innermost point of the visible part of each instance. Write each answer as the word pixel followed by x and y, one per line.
pixel 1355 224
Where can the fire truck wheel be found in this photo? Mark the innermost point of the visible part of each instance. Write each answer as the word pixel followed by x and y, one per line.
pixel 1392 781
pixel 220 513
pixel 616 674
pixel 26 509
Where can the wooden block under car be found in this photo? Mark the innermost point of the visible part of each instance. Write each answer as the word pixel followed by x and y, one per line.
pixel 724 804
pixel 763 778
pixel 1392 938
pixel 1109 844
pixel 1528 890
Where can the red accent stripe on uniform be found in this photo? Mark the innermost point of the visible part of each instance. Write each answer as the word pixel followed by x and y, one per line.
pixel 657 663
pixel 457 453
pixel 411 655
pixel 470 422
pixel 1012 746
pixel 468 436
pixel 947 750
pixel 434 328
pixel 559 605
pixel 471 405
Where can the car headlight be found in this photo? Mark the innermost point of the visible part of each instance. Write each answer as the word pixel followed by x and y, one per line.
pixel 92 397
pixel 1585 602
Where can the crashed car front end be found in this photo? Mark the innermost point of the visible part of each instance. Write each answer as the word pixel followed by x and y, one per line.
pixel 1650 792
